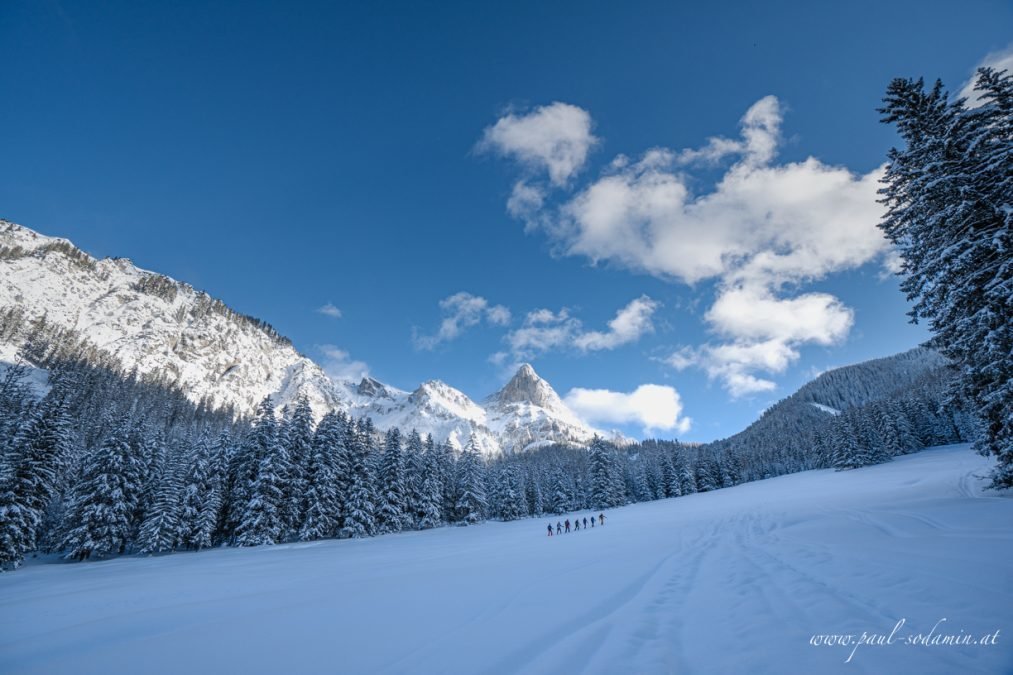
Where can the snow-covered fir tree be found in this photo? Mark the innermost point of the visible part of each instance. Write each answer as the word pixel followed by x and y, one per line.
pixel 430 495
pixel 392 510
pixel 325 482
pixel 358 517
pixel 413 477
pixel 950 217
pixel 510 500
pixel 99 519
pixel 559 500
pixel 200 499
pixel 706 479
pixel 30 475
pixel 533 494
pixel 206 531
pixel 162 528
pixel 263 514
pixel 607 486
pixel 471 503
pixel 298 446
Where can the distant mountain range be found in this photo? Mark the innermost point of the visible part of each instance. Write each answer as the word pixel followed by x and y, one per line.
pixel 150 323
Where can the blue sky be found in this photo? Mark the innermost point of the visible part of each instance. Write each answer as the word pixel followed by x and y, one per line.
pixel 387 157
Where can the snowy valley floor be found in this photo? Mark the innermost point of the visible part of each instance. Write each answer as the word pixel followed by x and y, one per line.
pixel 737 580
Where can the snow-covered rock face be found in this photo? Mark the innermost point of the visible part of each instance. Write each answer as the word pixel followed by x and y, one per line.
pixel 528 410
pixel 527 387
pixel 372 389
pixel 155 324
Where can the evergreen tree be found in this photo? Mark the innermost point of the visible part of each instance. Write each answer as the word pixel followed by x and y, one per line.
pixel 533 494
pixel 323 512
pixel 705 478
pixel 211 516
pixel 263 515
pixel 848 449
pixel 430 500
pixel 299 447
pixel 162 528
pixel 511 497
pixel 559 501
pixel 669 477
pixel 949 214
pixel 601 475
pixel 358 517
pixel 29 478
pixel 392 513
pixel 413 478
pixel 446 470
pixel 687 481
pixel 200 499
pixel 639 487
pixel 471 496
pixel 99 520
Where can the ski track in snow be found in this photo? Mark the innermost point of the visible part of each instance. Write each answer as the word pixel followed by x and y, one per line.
pixel 736 580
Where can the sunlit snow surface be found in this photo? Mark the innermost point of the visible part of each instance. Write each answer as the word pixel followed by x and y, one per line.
pixel 737 580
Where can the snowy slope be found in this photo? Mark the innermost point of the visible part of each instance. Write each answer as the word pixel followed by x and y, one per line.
pixel 826 408
pixel 155 324
pixel 434 408
pixel 735 580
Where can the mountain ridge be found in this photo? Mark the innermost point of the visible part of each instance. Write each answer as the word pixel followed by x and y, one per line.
pixel 151 322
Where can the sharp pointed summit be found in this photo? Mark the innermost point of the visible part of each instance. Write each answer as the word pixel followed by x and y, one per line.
pixel 527 387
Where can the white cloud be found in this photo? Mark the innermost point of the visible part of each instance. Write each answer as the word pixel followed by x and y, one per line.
pixel 771 224
pixel 460 312
pixel 339 365
pixel 999 60
pixel 765 333
pixel 893 264
pixel 761 131
pixel 631 322
pixel 652 406
pixel 544 330
pixel 555 138
pixel 330 310
pixel 734 363
pixel 525 200
pixel 752 313
pixel 764 227
pixel 498 315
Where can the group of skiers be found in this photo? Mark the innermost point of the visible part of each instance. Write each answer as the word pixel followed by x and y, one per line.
pixel 576 524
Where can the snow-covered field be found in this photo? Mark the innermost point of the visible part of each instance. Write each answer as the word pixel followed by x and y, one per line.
pixel 737 580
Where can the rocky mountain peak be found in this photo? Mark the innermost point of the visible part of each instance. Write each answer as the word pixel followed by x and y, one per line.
pixel 372 388
pixel 527 387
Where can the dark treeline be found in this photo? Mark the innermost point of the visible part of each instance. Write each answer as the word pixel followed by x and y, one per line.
pixel 108 462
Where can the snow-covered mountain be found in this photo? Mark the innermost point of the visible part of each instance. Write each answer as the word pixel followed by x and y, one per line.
pixel 154 324
pixel 528 411
pixel 525 413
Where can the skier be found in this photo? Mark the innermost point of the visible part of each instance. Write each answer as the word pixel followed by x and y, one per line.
pixel 576 524
pixel 601 518
pixel 567 524
pixel 550 529
pixel 592 521
pixel 585 522
pixel 559 527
